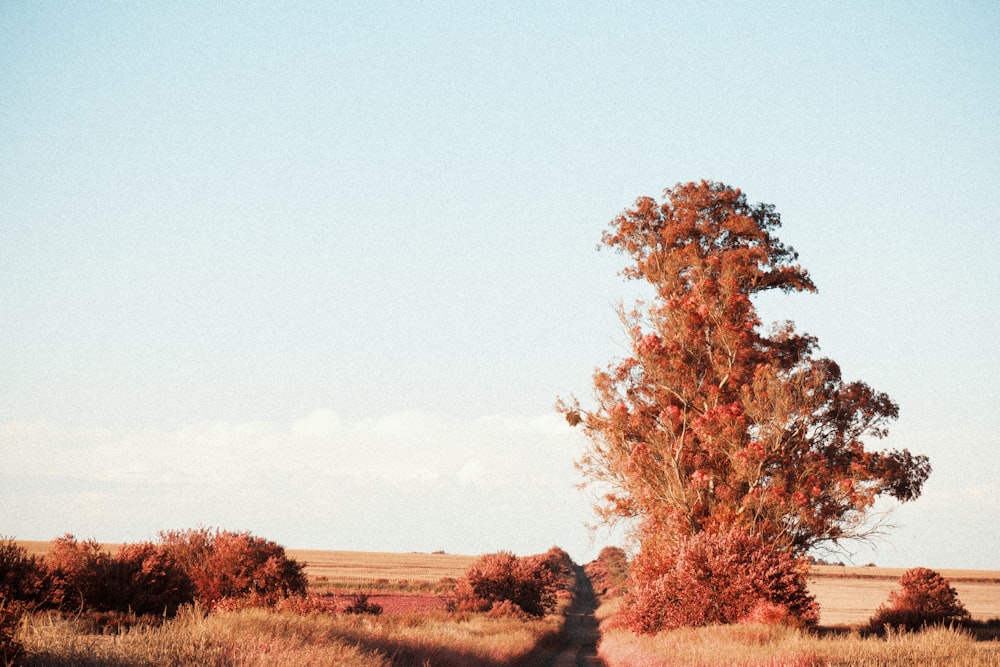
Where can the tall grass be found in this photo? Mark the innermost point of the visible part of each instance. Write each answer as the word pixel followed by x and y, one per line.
pixel 253 637
pixel 776 646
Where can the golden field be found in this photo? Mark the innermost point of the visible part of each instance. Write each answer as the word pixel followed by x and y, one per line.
pixel 358 569
pixel 848 596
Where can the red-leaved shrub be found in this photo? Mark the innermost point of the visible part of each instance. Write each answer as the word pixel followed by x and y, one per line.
pixel 140 579
pixel 360 604
pixel 144 578
pixel 717 578
pixel 926 598
pixel 73 571
pixel 609 571
pixel 224 564
pixel 11 612
pixel 529 584
pixel 21 575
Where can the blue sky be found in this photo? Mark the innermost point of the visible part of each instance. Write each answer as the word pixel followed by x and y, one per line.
pixel 320 272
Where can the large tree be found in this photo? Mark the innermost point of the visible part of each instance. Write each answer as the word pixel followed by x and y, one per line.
pixel 713 423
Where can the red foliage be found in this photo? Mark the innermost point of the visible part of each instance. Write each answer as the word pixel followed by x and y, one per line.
pixel 238 565
pixel 528 583
pixel 926 598
pixel 11 647
pixel 608 573
pixel 712 422
pixel 21 575
pixel 140 579
pixel 361 604
pixel 73 570
pixel 717 578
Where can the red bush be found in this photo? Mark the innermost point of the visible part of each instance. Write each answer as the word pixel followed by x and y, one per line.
pixel 140 579
pixel 494 579
pixel 223 564
pixel 360 604
pixel 145 579
pixel 11 647
pixel 73 571
pixel 609 571
pixel 717 578
pixel 21 576
pixel 926 598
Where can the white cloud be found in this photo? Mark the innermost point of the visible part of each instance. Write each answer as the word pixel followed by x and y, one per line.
pixel 392 482
pixel 321 423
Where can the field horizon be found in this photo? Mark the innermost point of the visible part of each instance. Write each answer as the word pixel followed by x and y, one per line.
pixel 847 595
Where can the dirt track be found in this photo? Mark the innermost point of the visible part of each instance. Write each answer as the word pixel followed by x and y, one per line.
pixel 579 648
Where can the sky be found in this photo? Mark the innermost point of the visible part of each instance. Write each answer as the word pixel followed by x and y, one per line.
pixel 320 271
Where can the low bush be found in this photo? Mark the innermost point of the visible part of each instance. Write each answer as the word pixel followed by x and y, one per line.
pixel 235 565
pixel 529 584
pixel 926 598
pixel 11 613
pixel 140 579
pixel 715 578
pixel 360 604
pixel 157 578
pixel 609 571
pixel 21 576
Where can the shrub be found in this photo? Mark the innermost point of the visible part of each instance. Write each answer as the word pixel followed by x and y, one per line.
pixel 926 598
pixel 223 564
pixel 145 579
pixel 609 571
pixel 493 579
pixel 73 572
pixel 21 575
pixel 360 604
pixel 11 612
pixel 140 579
pixel 717 578
pixel 559 564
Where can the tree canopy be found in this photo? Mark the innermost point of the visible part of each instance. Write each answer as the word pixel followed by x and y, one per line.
pixel 712 422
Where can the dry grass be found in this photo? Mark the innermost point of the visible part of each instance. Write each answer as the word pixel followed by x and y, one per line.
pixel 259 637
pixel 762 646
pixel 848 597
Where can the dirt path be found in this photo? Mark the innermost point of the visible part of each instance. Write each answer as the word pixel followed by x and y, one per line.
pixel 582 633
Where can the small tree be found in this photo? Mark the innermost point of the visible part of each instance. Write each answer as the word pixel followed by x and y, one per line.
pixel 925 598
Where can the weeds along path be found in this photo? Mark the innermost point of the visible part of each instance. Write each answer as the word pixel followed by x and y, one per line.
pixel 579 648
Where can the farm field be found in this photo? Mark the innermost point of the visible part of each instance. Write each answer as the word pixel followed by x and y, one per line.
pixel 412 589
pixel 850 595
pixel 847 595
pixel 359 569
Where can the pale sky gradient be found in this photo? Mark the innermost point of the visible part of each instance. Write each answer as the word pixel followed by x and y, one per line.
pixel 320 271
